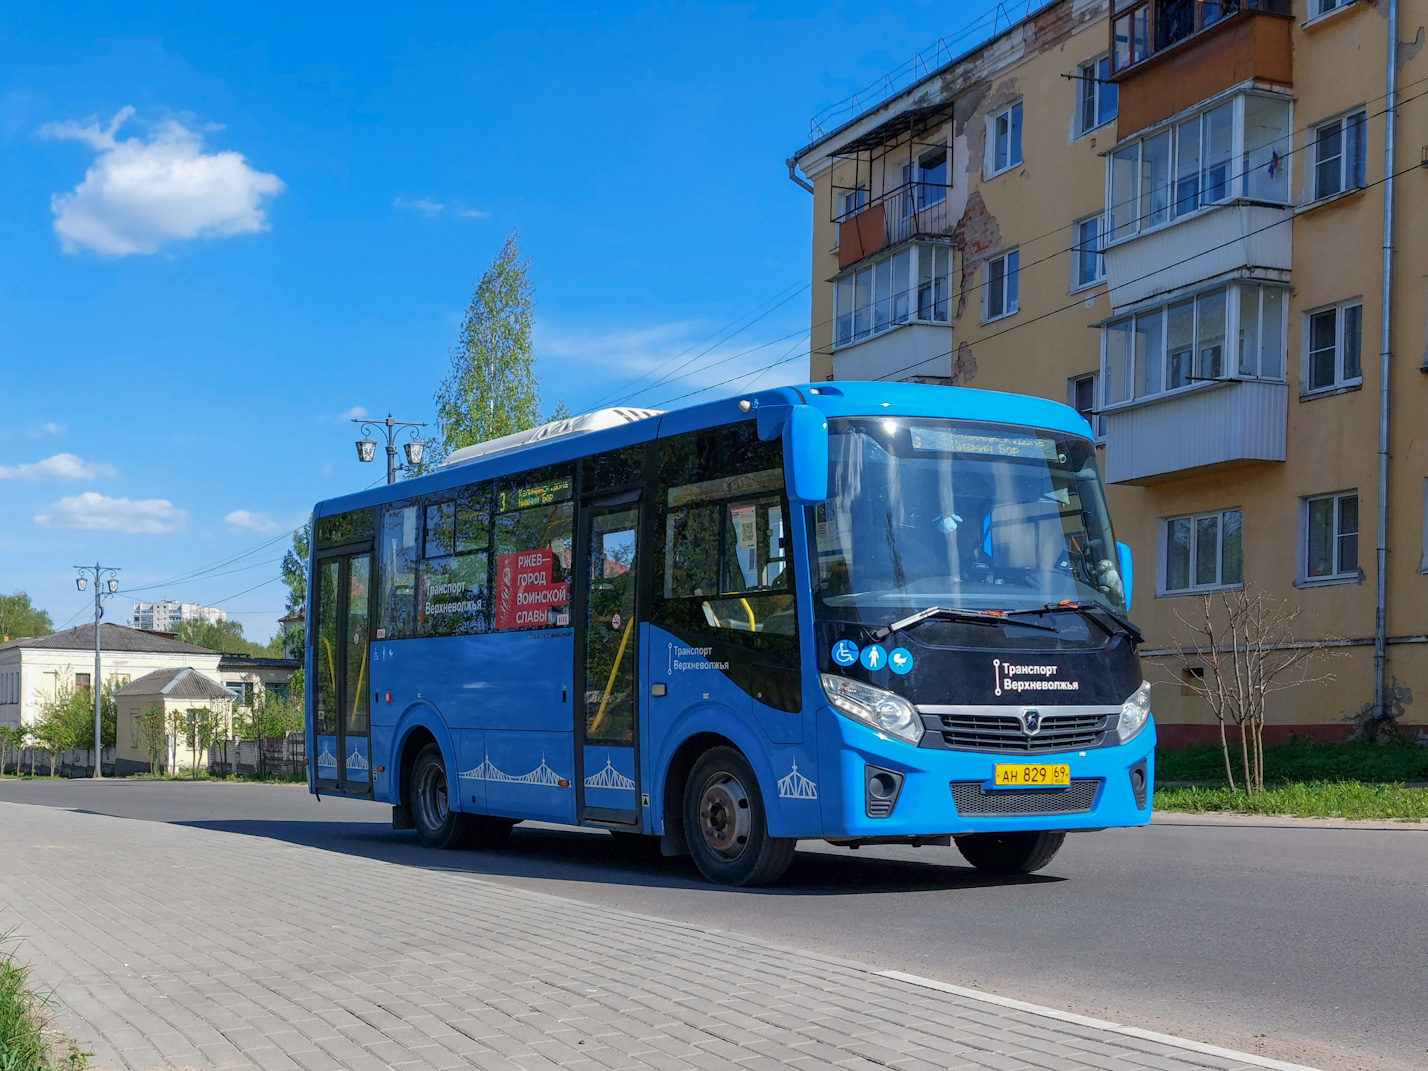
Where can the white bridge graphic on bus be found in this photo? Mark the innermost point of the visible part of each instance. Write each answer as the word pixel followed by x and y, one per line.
pixel 610 777
pixel 357 761
pixel 541 775
pixel 325 757
pixel 797 787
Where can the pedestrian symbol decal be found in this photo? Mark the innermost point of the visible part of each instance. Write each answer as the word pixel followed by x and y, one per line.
pixel 845 653
pixel 900 660
pixel 874 657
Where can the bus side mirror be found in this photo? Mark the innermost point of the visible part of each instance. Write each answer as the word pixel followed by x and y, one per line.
pixel 1127 571
pixel 805 455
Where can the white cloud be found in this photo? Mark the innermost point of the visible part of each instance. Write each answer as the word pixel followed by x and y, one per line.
pixel 355 413
pixel 39 431
pixel 248 521
pixel 431 208
pixel 93 512
pixel 58 467
pixel 139 195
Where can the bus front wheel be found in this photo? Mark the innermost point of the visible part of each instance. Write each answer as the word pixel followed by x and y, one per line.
pixel 437 825
pixel 1010 853
pixel 725 825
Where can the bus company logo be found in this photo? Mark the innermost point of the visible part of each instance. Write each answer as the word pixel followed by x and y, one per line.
pixel 1031 722
pixel 1015 678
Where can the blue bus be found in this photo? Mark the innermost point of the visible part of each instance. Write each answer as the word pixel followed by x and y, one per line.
pixel 863 613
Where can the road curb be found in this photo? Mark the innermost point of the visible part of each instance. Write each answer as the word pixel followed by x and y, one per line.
pixel 1096 1024
pixel 1284 821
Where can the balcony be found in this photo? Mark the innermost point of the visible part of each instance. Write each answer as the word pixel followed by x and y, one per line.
pixel 912 210
pixel 1207 428
pixel 911 351
pixel 1240 237
pixel 1166 55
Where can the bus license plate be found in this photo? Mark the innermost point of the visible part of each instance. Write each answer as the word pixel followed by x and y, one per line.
pixel 1020 775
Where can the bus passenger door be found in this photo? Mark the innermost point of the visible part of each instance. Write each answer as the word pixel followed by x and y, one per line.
pixel 608 787
pixel 342 717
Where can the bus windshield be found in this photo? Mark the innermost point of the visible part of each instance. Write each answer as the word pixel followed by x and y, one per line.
pixel 926 512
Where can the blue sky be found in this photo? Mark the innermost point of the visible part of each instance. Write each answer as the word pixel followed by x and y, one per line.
pixel 224 234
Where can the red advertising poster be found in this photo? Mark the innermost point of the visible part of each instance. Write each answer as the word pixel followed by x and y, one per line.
pixel 525 592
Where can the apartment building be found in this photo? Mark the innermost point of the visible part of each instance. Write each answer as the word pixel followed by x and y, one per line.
pixel 166 616
pixel 1171 214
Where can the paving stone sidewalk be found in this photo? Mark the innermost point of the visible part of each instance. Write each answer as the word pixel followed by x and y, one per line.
pixel 177 947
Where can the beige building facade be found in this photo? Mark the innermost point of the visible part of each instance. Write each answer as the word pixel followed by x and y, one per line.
pixel 1172 216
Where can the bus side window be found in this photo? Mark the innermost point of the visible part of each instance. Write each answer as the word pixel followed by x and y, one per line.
pixel 534 541
pixel 401 543
pixel 454 583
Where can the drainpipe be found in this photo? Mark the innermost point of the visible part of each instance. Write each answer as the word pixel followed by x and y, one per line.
pixel 1380 634
pixel 795 177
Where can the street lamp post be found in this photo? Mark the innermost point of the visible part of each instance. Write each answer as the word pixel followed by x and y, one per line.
pixel 106 582
pixel 391 430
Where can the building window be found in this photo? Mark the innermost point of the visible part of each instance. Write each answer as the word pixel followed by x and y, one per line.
pixel 1331 544
pixel 1000 285
pixel 880 294
pixel 1177 171
pixel 1339 155
pixel 1182 343
pixel 1099 98
pixel 1081 396
pixel 1004 133
pixel 1204 551
pixel 1323 7
pixel 926 181
pixel 1088 265
pixel 81 681
pixel 851 202
pixel 1333 342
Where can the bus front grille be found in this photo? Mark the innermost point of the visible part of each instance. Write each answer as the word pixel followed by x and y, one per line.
pixel 975 800
pixel 1002 732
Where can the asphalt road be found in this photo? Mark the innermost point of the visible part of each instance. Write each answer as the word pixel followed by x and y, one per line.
pixel 1304 944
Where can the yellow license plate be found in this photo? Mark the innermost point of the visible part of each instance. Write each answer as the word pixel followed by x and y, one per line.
pixel 1020 775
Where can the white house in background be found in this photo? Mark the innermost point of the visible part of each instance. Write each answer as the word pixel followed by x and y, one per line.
pixel 168 615
pixel 175 692
pixel 33 668
pixel 247 677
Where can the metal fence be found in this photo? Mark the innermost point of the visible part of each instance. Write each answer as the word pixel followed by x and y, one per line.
pixel 280 756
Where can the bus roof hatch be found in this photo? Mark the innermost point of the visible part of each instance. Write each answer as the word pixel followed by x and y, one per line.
pixel 556 429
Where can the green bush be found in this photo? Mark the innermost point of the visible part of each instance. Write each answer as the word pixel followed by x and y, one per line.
pixel 1306 799
pixel 23 1046
pixel 1301 760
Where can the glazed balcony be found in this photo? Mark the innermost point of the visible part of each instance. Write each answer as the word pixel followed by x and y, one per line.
pixel 1166 55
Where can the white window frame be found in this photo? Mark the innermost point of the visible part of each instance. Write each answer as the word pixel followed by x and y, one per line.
pixel 1009 285
pixel 1093 415
pixel 1079 247
pixel 941 284
pixel 1423 561
pixel 1015 116
pixel 1341 381
pixel 1351 176
pixel 1193 519
pixel 1092 83
pixel 1340 575
pixel 1323 7
pixel 1237 184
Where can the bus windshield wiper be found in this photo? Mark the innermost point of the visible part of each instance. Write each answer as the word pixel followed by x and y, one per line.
pixel 952 613
pixel 1093 612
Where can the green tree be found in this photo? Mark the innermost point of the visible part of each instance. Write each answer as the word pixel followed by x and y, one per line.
pixel 295 567
pixel 152 734
pixel 9 738
pixel 491 388
pixel 202 726
pixel 65 722
pixel 227 636
pixel 19 617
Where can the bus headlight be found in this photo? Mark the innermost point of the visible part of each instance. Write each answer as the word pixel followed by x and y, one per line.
pixel 874 707
pixel 1135 712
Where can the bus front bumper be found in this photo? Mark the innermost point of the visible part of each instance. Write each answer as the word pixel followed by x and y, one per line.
pixel 938 792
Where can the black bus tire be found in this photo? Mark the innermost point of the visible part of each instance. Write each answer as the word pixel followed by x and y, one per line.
pixel 437 825
pixel 1010 853
pixel 725 823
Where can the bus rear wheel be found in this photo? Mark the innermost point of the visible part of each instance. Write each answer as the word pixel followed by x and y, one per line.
pixel 437 825
pixel 725 824
pixel 1010 853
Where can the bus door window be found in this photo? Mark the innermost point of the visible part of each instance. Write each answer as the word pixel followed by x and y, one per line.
pixel 328 640
pixel 355 750
pixel 401 546
pixel 611 629
pixel 534 537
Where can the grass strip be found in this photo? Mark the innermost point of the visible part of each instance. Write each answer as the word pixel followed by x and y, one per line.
pixel 1304 799
pixel 23 1045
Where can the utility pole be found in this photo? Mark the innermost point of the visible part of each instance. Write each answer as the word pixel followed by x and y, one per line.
pixel 391 429
pixel 106 582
